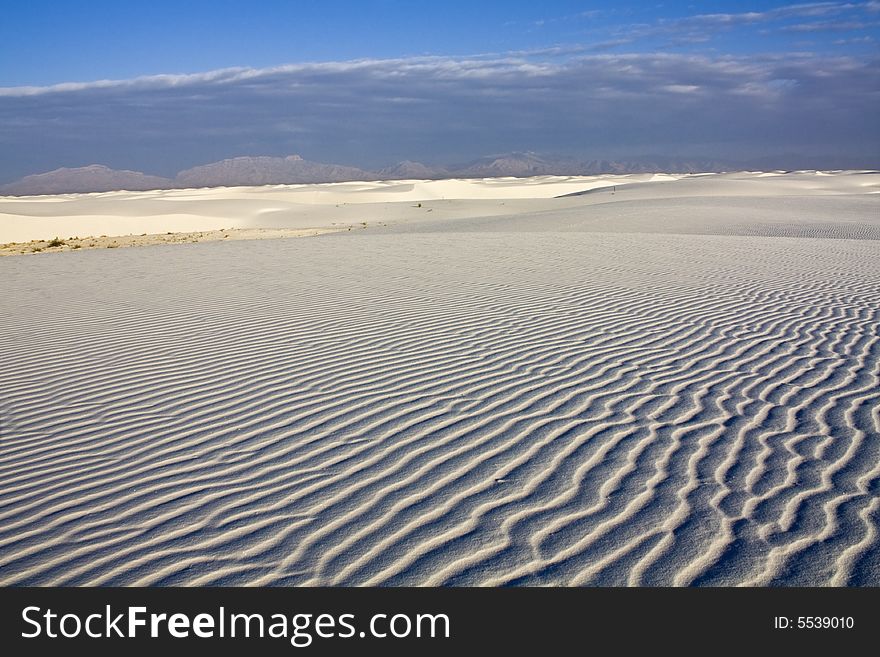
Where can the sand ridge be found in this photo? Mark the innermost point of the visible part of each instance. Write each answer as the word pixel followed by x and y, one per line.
pixel 604 392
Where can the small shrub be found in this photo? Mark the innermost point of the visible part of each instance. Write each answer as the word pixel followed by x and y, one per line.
pixel 56 241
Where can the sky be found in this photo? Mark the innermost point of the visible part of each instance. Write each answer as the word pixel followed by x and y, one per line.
pixel 161 86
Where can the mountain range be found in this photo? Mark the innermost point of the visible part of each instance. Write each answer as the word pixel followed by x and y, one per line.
pixel 93 178
pixel 267 171
pixel 293 169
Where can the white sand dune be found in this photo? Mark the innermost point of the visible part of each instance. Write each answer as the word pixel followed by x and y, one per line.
pixel 676 382
pixel 291 206
pixel 334 205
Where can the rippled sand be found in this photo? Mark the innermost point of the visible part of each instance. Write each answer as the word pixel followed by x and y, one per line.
pixel 674 384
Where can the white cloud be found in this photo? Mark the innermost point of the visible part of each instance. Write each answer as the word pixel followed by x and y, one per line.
pixel 831 26
pixel 699 28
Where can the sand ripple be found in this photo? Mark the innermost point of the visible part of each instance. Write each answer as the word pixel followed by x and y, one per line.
pixel 446 409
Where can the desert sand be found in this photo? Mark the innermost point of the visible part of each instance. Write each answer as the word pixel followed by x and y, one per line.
pixel 74 243
pixel 619 380
pixel 324 207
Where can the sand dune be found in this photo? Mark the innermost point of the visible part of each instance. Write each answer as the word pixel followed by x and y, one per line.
pixel 324 205
pixel 673 382
pixel 352 204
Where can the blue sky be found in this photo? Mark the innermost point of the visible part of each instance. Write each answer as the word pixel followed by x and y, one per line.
pixel 50 42
pixel 367 83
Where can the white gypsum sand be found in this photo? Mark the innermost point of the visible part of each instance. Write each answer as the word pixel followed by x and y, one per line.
pixel 668 382
pixel 328 205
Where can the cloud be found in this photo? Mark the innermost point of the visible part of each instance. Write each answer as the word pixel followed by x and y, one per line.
pixel 861 39
pixel 831 26
pixel 440 109
pixel 805 10
pixel 700 28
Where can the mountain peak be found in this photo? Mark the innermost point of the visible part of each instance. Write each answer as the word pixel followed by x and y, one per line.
pixel 409 170
pixel 293 169
pixel 90 178
pixel 266 170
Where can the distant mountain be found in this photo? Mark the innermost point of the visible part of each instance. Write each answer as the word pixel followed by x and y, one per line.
pixel 655 164
pixel 518 164
pixel 92 178
pixel 408 170
pixel 533 164
pixel 293 169
pixel 268 171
